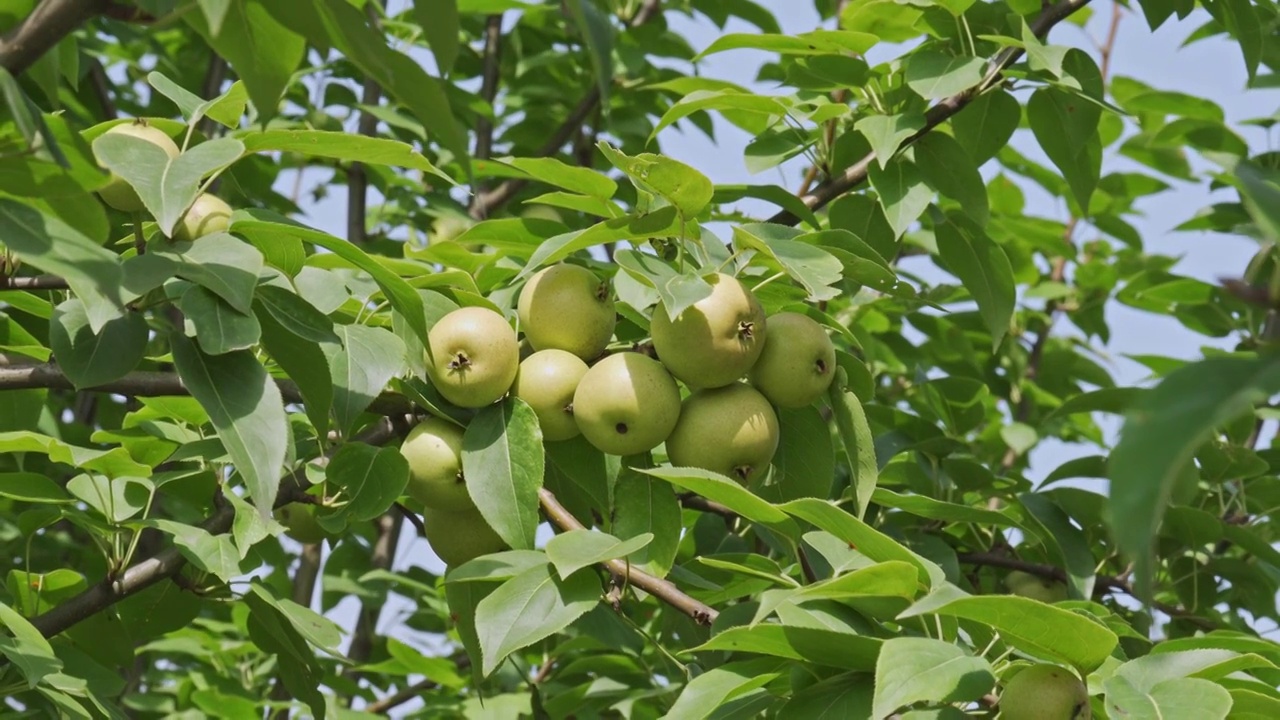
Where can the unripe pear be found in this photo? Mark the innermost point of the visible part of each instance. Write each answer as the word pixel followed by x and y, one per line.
pixel 731 430
pixel 714 341
pixel 459 536
pixel 433 449
pixel 566 307
pixel 119 194
pixel 299 521
pixel 474 356
pixel 1035 587
pixel 1044 692
pixel 546 381
pixel 797 363
pixel 209 214
pixel 626 404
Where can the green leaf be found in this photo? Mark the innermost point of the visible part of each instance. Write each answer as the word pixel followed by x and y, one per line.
pixel 116 499
pixel 370 478
pixel 295 314
pixel 439 22
pixel 26 648
pixel 1260 191
pixel 727 193
pixel 818 42
pixel 262 51
pixel 903 193
pixel 704 694
pixel 887 20
pixel 502 457
pixel 934 75
pixel 1066 127
pixel 167 186
pixel 245 408
pixel 861 536
pixel 214 554
pixel 115 462
pixel 811 266
pixel 947 167
pixel 529 607
pixel 225 265
pixel 305 363
pixel 912 670
pixel 986 124
pixel 810 644
pixel 984 269
pixel 756 112
pixel 805 460
pixel 570 177
pixel 1162 433
pixel 339 146
pixel 367 361
pixel 685 188
pixel 1034 627
pixel 659 223
pixel 857 441
pixel 1242 21
pixel 1182 699
pixel 47 243
pixel 841 696
pixel 646 506
pixel 32 488
pixel 718 488
pixel 573 550
pixel 886 133
pixel 90 358
pixel 273 631
pixel 220 328
pixel 598 33
pixel 676 291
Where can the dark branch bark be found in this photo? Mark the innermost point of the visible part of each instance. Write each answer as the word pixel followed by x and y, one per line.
pixel 145 383
pixel 357 176
pixel 37 282
pixel 400 697
pixel 384 552
pixel 102 90
pixel 48 23
pixel 856 174
pixel 168 562
pixel 662 589
pixel 489 85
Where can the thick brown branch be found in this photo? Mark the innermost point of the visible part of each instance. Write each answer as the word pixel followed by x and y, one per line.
pixel 48 23
pixel 145 383
pixel 168 562
pixel 489 84
pixel 856 174
pixel 662 589
pixel 400 697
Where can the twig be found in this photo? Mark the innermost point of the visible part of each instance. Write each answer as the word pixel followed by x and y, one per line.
pixel 210 88
pixel 147 383
pixel 701 504
pixel 102 89
pixel 856 174
pixel 489 84
pixel 486 202
pixel 412 518
pixel 384 551
pixel 166 563
pixel 45 27
pixel 357 176
pixel 664 590
pixel 37 282
pixel 400 697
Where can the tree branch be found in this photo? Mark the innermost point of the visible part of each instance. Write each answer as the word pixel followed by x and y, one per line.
pixel 168 562
pixel 486 202
pixel 856 174
pixel 400 697
pixel 145 383
pixel 48 23
pixel 37 282
pixel 357 175
pixel 664 590
pixel 489 84
pixel 384 552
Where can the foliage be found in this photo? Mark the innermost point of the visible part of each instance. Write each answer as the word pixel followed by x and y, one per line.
pixel 160 399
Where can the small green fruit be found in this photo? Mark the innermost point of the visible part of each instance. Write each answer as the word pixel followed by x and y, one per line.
pixel 566 307
pixel 459 536
pixel 541 212
pixel 209 214
pixel 299 521
pixel 714 341
pixel 434 451
pixel 119 194
pixel 1035 587
pixel 797 363
pixel 546 381
pixel 1044 692
pixel 731 430
pixel 626 404
pixel 474 356
pixel 447 228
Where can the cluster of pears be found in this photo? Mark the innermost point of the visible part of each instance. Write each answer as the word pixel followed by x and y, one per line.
pixel 207 215
pixel 622 403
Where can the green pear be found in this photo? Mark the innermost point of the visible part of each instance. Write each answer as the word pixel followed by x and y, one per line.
pixel 1044 692
pixel 797 363
pixel 731 430
pixel 714 341
pixel 546 381
pixel 542 212
pixel 209 214
pixel 626 404
pixel 119 194
pixel 1035 587
pixel 299 521
pixel 459 536
pixel 566 307
pixel 474 356
pixel 433 449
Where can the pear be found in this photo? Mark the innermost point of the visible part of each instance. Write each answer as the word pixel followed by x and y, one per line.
pixel 299 521
pixel 474 356
pixel 459 536
pixel 626 404
pixel 433 449
pixel 547 381
pixel 1044 692
pixel 119 194
pixel 566 307
pixel 1035 587
pixel 209 214
pixel 731 430
pixel 798 361
pixel 716 340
